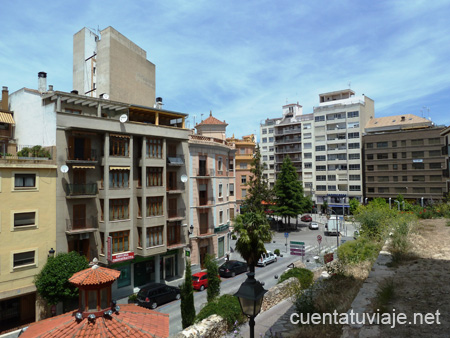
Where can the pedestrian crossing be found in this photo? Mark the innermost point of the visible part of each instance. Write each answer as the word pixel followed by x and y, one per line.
pixel 313 250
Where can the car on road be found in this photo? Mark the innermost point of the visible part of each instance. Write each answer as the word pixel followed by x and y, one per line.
pixel 267 258
pixel 306 218
pixel 200 281
pixel 314 226
pixel 232 268
pixel 154 294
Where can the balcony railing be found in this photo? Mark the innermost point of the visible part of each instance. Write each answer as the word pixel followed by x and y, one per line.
pixel 81 224
pixel 204 229
pixel 205 201
pixel 175 188
pixel 81 189
pixel 222 227
pixel 91 156
pixel 175 160
pixel 204 172
pixel 176 213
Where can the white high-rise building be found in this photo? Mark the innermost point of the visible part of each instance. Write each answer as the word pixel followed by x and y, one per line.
pixel 267 148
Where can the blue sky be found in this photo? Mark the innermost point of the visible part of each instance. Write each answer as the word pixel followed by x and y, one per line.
pixel 245 59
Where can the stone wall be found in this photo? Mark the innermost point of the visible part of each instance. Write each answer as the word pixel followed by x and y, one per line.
pixel 215 326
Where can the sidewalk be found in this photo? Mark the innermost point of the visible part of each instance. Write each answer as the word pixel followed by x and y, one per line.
pixel 276 318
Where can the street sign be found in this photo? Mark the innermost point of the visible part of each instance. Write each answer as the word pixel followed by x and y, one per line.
pixel 297 248
pixel 298 243
pixel 286 234
pixel 319 239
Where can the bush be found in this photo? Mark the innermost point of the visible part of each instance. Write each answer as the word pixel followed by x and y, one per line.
pixel 226 306
pixel 187 306
pixel 36 151
pixel 277 252
pixel 399 245
pixel 359 250
pixel 304 276
pixel 214 281
pixel 132 298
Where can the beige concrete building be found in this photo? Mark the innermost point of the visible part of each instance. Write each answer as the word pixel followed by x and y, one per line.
pixel 446 152
pixel 108 64
pixel 267 148
pixel 212 191
pixel 27 223
pixel 403 156
pixel 245 150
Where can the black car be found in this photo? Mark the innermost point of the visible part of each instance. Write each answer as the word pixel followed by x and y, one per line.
pixel 154 294
pixel 232 268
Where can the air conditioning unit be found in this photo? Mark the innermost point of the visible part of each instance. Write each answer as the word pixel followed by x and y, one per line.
pixel 84 236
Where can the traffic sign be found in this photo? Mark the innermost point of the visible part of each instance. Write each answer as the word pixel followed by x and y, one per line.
pixel 299 243
pixel 286 234
pixel 319 238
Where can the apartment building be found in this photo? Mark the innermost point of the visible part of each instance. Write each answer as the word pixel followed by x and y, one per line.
pixel 267 149
pixel 245 150
pixel 335 172
pixel 120 195
pixel 27 222
pixel 403 156
pixel 446 152
pixel 212 189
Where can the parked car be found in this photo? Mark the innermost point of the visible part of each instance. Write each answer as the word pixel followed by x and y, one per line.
pixel 267 258
pixel 232 268
pixel 200 280
pixel 314 226
pixel 306 218
pixel 154 294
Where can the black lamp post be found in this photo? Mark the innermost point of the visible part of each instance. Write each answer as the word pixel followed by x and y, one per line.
pixel 51 252
pixel 250 295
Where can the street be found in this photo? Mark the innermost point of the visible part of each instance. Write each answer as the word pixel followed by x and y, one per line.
pixel 266 274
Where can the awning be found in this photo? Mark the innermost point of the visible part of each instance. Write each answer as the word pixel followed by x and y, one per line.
pixel 83 167
pixel 119 135
pixel 6 118
pixel 119 168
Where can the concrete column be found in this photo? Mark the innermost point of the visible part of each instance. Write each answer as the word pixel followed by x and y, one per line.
pixel 99 110
pixel 58 104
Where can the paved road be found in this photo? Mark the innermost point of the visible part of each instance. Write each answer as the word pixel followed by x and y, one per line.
pixel 265 274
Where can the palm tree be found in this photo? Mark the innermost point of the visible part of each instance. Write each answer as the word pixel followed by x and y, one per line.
pixel 253 230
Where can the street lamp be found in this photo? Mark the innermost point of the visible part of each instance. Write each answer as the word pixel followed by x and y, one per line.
pixel 337 227
pixel 250 295
pixel 51 253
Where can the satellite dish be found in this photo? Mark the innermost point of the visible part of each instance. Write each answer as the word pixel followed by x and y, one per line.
pixel 123 118
pixel 184 178
pixel 64 168
pixel 106 96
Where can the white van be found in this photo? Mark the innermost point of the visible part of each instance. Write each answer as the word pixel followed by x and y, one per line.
pixel 267 258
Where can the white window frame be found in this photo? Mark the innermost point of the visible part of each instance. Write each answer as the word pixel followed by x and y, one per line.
pixel 220 190
pixel 27 266
pixel 233 188
pixel 13 181
pixel 219 163
pixel 221 216
pixel 25 227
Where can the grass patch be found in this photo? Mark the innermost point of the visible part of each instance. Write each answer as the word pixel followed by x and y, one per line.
pixel 226 306
pixel 385 294
pixel 304 276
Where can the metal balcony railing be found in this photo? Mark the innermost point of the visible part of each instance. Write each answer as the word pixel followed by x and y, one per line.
pixel 175 160
pixel 204 172
pixel 176 213
pixel 91 156
pixel 78 224
pixel 180 186
pixel 81 189
pixel 205 201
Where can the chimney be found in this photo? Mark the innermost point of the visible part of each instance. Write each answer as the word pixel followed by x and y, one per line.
pixel 403 119
pixel 42 84
pixel 5 105
pixel 50 88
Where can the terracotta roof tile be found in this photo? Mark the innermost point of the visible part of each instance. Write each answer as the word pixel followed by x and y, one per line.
pixel 211 120
pixel 131 321
pixel 94 276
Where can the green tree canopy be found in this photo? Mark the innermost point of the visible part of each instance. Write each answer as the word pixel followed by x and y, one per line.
pixel 212 271
pixel 52 282
pixel 354 204
pixel 253 231
pixel 187 298
pixel 257 187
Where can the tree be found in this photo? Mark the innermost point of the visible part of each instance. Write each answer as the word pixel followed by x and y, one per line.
pixel 290 200
pixel 187 298
pixel 354 204
pixel 253 231
pixel 212 271
pixel 258 188
pixel 325 207
pixel 52 283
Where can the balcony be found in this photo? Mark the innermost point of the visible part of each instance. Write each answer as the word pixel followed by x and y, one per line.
pixel 288 132
pixel 176 214
pixel 244 157
pixel 175 160
pixel 81 190
pixel 175 188
pixel 81 225
pixel 175 236
pixel 222 227
pixel 203 172
pixel 288 141
pixel 205 202
pixel 82 157
pixel 288 150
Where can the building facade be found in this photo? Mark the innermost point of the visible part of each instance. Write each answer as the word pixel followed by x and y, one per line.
pixel 403 156
pixel 212 191
pixel 267 148
pixel 446 152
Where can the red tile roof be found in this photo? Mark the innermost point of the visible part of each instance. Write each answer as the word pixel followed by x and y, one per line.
pixel 211 120
pixel 131 321
pixel 94 276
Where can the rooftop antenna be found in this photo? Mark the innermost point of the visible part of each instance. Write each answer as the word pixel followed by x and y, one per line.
pixel 202 117
pixel 349 85
pixel 194 116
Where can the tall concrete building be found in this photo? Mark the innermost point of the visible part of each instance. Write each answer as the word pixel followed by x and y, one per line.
pixel 335 171
pixel 267 148
pixel 107 63
pixel 446 152
pixel 212 187
pixel 403 156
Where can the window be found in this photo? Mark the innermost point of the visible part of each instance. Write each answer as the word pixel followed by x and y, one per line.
pixel 264 140
pixel 221 246
pixel 307 155
pixel 403 154
pixel 242 150
pixel 219 164
pixel 125 276
pixel 231 165
pixel 264 131
pixel 353 156
pixel 434 153
pixel 401 190
pixel 395 178
pixel 24 259
pixel 355 188
pixel 24 219
pixel 308 165
pixel 353 135
pixel 264 157
pixel 370 190
pixel 436 190
pixel 418 142
pixel 270 139
pixel 436 140
pixel 120 241
pixel 154 147
pixel 244 179
pixel 435 178
pixel 369 145
pixel 321 178
pixel 321 158
pixel 221 217
pixel 231 189
pixel 271 148
pixel 243 165
pixel 353 146
pixel 119 178
pixel 383 179
pixel 331 188
pixel 307 145
pixel 404 166
pixel 118 209
pixel 319 118
pixel 155 206
pixel 154 177
pixel 394 155
pixel 331 177
pixel 355 177
pixel 352 114
pixel 404 178
pixel 403 143
pixel 102 243
pixel 369 156
pixel 354 167
pixel 370 179
pixel 382 144
pixel 270 130
pixel 271 157
pixel 418 166
pixel 394 144
pixel 395 167
pixel 220 190
pixel 370 168
pixel 244 193
pixel 418 178
pixel 435 166
pixel 321 187
pixel 118 146
pixel 25 181
pixel 154 236
pixel 418 154
pixel 382 156
pixel 320 148
pixel 383 167
pixel 383 189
